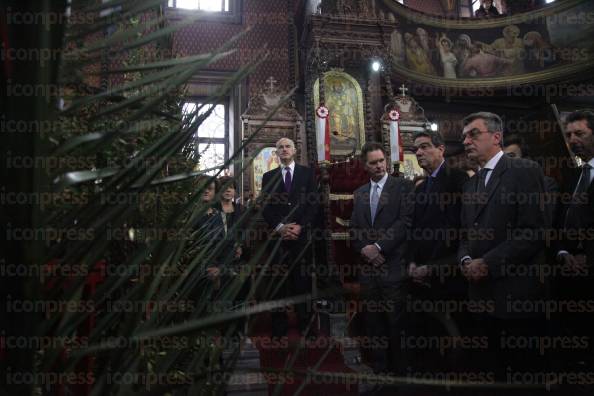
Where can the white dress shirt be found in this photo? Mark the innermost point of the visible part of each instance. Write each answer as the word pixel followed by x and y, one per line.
pixel 591 163
pixel 491 164
pixel 379 184
pixel 380 187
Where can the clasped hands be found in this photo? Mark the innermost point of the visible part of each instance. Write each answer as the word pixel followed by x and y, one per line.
pixel 371 254
pixel 575 264
pixel 419 273
pixel 290 232
pixel 475 269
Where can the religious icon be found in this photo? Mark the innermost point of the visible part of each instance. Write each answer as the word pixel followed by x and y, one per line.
pixel 265 161
pixel 410 167
pixel 344 100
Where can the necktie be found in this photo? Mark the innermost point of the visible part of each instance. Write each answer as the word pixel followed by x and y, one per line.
pixel 573 216
pixel 584 183
pixel 374 201
pixel 288 179
pixel 482 180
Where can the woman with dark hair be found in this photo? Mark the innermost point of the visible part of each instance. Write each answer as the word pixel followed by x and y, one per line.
pixel 209 225
pixel 233 219
pixel 231 215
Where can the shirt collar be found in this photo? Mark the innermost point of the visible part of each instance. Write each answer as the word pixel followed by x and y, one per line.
pixel 381 182
pixel 591 162
pixel 291 166
pixel 436 171
pixel 492 163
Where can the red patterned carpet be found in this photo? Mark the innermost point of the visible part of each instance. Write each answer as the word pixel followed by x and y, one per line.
pixel 286 353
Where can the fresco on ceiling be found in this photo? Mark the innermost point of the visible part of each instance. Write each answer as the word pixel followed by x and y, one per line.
pixel 502 51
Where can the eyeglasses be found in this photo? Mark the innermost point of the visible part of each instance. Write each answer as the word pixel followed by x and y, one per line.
pixel 473 134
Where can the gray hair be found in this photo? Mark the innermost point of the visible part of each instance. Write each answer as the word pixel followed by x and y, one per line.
pixel 285 138
pixel 493 122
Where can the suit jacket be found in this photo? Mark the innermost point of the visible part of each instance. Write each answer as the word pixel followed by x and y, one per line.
pixel 299 206
pixel 505 227
pixel 577 237
pixel 389 229
pixel 434 233
pixel 436 218
pixel 235 235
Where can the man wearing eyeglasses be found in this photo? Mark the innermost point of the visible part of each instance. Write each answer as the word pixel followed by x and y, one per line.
pixel 503 222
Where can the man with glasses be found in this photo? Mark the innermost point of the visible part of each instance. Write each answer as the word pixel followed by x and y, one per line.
pixel 436 216
pixel 501 247
pixel 433 243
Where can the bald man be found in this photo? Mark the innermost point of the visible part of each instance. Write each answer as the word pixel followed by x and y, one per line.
pixel 290 205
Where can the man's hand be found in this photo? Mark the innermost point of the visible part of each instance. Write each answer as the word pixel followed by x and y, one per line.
pixel 379 260
pixel 370 253
pixel 290 232
pixel 475 270
pixel 418 273
pixel 295 230
pixel 576 265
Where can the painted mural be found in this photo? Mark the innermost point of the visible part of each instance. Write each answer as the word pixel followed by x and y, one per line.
pixel 502 51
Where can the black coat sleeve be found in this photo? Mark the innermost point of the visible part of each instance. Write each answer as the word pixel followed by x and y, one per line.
pixel 310 201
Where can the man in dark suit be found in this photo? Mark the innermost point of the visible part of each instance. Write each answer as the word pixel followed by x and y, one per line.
pixel 379 223
pixel 290 205
pixel 433 241
pixel 433 244
pixel 576 254
pixel 515 147
pixel 503 221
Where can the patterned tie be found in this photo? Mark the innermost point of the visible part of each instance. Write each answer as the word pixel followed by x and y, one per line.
pixel 288 179
pixel 374 202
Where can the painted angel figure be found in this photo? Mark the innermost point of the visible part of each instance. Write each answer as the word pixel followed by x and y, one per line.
pixel 448 59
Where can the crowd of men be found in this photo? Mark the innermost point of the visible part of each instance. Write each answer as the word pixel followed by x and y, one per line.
pixel 510 261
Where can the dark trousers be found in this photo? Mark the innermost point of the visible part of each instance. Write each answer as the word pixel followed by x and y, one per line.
pixel 383 306
pixel 291 278
pixel 511 351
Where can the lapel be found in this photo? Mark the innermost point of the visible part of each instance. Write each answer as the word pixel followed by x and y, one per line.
pixel 439 184
pixel 494 181
pixel 277 179
pixel 384 197
pixel 440 179
pixel 295 180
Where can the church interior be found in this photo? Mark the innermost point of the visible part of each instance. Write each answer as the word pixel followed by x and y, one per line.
pixel 122 116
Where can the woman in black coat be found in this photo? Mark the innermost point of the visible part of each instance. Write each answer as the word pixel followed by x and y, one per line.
pixel 234 225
